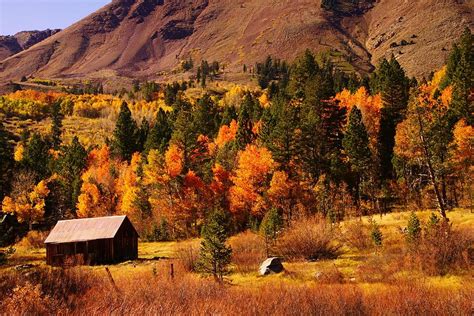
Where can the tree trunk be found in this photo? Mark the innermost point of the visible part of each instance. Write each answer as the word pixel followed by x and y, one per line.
pixel 431 171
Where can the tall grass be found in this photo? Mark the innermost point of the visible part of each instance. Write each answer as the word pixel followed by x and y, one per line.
pixel 78 293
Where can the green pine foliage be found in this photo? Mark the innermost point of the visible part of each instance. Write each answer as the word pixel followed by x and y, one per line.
pixel 160 134
pixel 215 254
pixel 270 228
pixel 6 161
pixel 56 125
pixel 72 162
pixel 413 232
pixel 376 234
pixel 125 136
pixel 391 81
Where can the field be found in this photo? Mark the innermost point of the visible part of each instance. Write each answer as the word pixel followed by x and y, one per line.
pixel 369 281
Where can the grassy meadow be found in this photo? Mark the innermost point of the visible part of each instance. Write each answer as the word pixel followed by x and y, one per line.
pixel 368 281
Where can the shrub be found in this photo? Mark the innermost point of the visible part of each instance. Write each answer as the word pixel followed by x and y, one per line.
pixel 356 234
pixel 248 251
pixel 33 240
pixel 27 299
pixel 443 250
pixel 310 239
pixel 188 254
pixel 331 275
pixel 376 234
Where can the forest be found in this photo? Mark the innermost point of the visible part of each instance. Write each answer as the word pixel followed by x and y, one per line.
pixel 307 146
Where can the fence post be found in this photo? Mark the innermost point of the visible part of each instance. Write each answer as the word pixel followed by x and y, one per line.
pixel 112 280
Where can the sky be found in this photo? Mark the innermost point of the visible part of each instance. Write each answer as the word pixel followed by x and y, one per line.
pixel 27 15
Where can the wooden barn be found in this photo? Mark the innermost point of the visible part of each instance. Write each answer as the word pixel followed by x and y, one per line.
pixel 91 241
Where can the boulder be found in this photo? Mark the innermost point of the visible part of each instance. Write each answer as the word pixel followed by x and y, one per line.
pixel 271 265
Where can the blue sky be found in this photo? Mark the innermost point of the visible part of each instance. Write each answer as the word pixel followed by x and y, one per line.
pixel 25 15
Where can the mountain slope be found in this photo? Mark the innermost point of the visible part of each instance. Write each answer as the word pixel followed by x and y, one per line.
pixel 11 45
pixel 140 38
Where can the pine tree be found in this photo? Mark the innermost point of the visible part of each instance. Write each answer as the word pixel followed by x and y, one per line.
pixel 6 161
pixel 270 227
pixel 56 125
pixel 304 69
pixel 215 255
pixel 124 142
pixel 245 134
pixel 376 234
pixel 356 146
pixel 391 81
pixel 185 136
pixel 228 115
pixel 70 166
pixel 321 127
pixel 205 117
pixel 36 156
pixel 142 135
pixel 460 74
pixel 160 134
pixel 413 233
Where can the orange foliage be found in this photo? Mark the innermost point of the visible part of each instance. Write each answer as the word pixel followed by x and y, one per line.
pixel 127 186
pixel 370 106
pixel 227 133
pixel 43 97
pixel 174 161
pixel 255 164
pixel 98 192
pixel 464 145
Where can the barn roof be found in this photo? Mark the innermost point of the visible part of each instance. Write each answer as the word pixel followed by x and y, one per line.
pixel 85 229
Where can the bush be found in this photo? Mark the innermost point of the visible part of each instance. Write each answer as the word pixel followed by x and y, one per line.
pixel 33 240
pixel 443 250
pixel 188 254
pixel 248 251
pixel 356 235
pixel 309 239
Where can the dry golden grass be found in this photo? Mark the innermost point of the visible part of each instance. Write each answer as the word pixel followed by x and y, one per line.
pixel 361 282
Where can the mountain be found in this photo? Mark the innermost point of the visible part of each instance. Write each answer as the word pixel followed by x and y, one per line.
pixel 11 45
pixel 141 38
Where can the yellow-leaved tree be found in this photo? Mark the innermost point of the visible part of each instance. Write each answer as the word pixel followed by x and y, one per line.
pixel 28 207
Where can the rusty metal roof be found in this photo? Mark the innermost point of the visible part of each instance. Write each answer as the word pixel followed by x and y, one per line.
pixel 85 229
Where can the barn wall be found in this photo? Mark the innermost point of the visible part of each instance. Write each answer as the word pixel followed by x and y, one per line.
pixel 124 246
pixel 126 243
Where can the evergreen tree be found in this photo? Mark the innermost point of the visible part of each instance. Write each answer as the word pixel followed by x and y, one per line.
pixel 270 227
pixel 245 134
pixel 6 161
pixel 36 156
pixel 56 125
pixel 185 135
pixel 205 117
pixel 376 234
pixel 124 142
pixel 413 233
pixel 278 133
pixel 142 135
pixel 215 255
pixel 356 146
pixel 304 69
pixel 391 81
pixel 321 127
pixel 228 115
pixel 460 74
pixel 160 134
pixel 70 166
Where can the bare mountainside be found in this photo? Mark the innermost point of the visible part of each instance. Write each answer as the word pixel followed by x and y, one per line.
pixel 11 45
pixel 140 38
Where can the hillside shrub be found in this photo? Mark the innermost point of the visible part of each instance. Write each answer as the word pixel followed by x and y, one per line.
pixel 309 239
